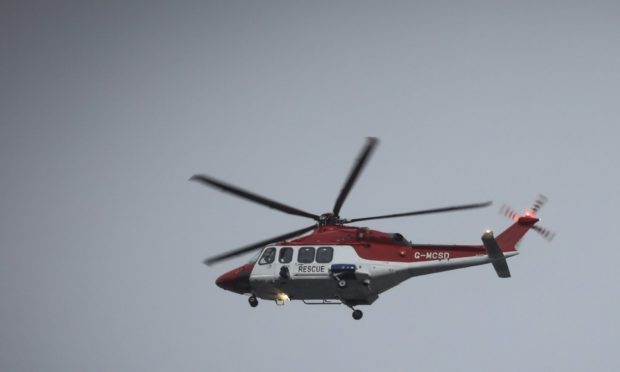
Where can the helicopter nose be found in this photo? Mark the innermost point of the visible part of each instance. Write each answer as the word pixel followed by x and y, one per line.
pixel 226 281
pixel 237 280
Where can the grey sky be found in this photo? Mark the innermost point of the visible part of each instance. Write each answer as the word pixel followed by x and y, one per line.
pixel 106 109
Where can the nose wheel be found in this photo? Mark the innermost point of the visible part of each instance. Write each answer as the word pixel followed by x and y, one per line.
pixel 357 314
pixel 253 301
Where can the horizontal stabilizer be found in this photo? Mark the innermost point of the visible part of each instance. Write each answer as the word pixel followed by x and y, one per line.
pixel 495 254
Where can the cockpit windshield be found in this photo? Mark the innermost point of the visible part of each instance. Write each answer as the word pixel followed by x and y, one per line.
pixel 255 257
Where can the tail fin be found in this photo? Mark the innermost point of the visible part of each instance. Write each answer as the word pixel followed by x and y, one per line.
pixel 506 243
pixel 508 239
pixel 495 254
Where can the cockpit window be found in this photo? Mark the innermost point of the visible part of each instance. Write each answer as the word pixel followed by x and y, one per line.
pixel 324 254
pixel 286 255
pixel 305 255
pixel 269 255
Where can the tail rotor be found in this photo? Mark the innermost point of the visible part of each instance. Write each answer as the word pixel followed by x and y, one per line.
pixel 538 204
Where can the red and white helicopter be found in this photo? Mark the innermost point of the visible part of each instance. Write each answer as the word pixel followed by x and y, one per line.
pixel 340 264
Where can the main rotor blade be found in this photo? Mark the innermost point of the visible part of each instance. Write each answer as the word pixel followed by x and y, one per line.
pixel 209 181
pixel 230 254
pixel 426 211
pixel 371 142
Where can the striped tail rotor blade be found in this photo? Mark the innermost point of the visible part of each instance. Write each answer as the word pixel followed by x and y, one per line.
pixel 509 212
pixel 545 233
pixel 540 201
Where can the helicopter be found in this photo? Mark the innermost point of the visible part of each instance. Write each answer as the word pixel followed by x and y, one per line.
pixel 341 264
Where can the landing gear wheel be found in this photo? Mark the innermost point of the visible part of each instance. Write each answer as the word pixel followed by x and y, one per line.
pixel 342 283
pixel 357 314
pixel 253 301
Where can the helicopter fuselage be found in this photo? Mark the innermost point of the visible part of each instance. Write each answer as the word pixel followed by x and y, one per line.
pixel 349 264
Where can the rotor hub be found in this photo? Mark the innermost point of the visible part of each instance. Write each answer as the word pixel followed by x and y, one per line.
pixel 329 219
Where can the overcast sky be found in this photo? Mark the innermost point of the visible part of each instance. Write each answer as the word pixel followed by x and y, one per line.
pixel 107 108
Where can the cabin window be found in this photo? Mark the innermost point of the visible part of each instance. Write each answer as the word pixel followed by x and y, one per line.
pixel 324 254
pixel 286 255
pixel 305 255
pixel 268 256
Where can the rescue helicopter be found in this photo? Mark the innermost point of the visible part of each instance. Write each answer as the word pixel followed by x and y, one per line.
pixel 341 264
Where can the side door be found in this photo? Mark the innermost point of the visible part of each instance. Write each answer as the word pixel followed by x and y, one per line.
pixel 283 263
pixel 265 267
